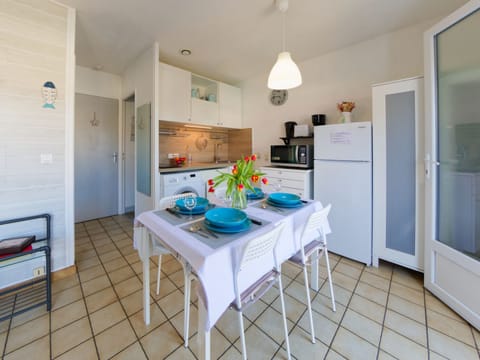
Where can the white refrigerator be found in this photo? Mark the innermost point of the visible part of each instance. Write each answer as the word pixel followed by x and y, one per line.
pixel 343 178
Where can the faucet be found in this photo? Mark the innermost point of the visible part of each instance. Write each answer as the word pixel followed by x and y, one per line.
pixel 216 157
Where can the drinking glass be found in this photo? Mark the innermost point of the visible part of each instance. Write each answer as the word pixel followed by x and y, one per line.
pixel 190 203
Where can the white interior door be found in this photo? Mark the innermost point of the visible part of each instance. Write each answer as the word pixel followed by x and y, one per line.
pixel 96 157
pixel 452 247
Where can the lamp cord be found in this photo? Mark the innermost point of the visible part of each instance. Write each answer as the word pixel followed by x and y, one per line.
pixel 283 30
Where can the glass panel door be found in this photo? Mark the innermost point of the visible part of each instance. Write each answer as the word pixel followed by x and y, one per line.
pixel 452 236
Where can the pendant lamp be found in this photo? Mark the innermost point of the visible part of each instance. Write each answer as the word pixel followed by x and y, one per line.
pixel 285 73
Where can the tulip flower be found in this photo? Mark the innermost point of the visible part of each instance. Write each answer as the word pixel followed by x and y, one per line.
pixel 211 189
pixel 254 157
pixel 265 181
pixel 210 182
pixel 240 187
pixel 247 158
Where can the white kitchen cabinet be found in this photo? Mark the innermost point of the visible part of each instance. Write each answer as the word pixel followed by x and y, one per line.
pixel 174 93
pixel 398 173
pixel 230 106
pixel 295 181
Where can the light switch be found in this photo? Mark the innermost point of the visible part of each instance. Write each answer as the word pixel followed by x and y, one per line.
pixel 46 158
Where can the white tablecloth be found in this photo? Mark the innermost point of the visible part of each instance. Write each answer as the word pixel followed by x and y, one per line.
pixel 214 267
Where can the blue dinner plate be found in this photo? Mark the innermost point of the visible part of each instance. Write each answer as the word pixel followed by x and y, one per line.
pixel 258 194
pixel 228 230
pixel 293 205
pixel 202 203
pixel 195 211
pixel 284 198
pixel 225 217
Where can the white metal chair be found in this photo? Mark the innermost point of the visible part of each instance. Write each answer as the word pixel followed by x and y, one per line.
pixel 259 249
pixel 159 249
pixel 317 221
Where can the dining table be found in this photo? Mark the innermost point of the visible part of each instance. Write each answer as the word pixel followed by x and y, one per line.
pixel 213 255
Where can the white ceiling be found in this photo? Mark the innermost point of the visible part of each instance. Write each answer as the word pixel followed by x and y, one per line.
pixel 234 40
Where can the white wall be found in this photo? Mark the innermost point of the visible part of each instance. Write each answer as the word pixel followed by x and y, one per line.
pixel 140 79
pixel 33 50
pixel 97 83
pixel 343 75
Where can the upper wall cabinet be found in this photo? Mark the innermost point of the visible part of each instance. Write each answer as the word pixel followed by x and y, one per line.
pixel 174 93
pixel 186 97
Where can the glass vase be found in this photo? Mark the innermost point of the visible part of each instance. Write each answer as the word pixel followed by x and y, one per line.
pixel 239 199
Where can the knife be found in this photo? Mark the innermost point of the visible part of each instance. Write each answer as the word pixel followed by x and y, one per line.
pixel 209 232
pixel 171 211
pixel 255 221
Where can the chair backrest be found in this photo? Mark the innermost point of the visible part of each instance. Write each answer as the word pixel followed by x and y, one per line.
pixel 260 246
pixel 169 201
pixel 318 221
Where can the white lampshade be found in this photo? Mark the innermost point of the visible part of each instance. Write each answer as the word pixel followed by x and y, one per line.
pixel 284 74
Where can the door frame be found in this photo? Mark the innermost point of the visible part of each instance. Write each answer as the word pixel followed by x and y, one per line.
pixel 436 252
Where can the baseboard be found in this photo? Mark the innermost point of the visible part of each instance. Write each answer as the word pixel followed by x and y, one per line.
pixel 129 209
pixel 63 273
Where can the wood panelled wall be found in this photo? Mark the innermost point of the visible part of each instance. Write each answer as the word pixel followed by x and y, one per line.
pixel 32 52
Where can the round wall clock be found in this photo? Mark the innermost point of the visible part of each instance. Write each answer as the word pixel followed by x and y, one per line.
pixel 278 97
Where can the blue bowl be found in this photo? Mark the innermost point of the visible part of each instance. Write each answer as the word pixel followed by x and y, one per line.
pixel 228 230
pixel 258 194
pixel 225 217
pixel 284 198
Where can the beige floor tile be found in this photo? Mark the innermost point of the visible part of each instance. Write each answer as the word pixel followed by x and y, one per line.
pixel 406 327
pixel 349 270
pixel 294 290
pixel 100 299
pixel 259 345
pixel 290 270
pixel 177 322
pixel 302 348
pixel 449 347
pixel 105 248
pixel 271 323
pixel 407 277
pixel 351 346
pixel 115 339
pixel 70 336
pixel 85 255
pixel 407 293
pixel 376 281
pixel 342 296
pixel 166 287
pixel 476 335
pixel 25 317
pixel 121 274
pixel 231 354
pixel 433 303
pixel 3 338
pixel 65 283
pixel 134 351
pixel 66 297
pixel 172 303
pixel 181 354
pixel 162 341
pixel 324 328
pixel 87 263
pixel 84 351
pixel 407 308
pixel 133 302
pixel 170 266
pixel 344 281
pixel 453 328
pixel 367 308
pixel 219 344
pixel 128 287
pixel 293 307
pixel 371 293
pixel 435 356
pixel 91 273
pixel 128 249
pixel 228 325
pixel 351 262
pixel 95 285
pixel 133 258
pixel 323 305
pixel 106 317
pixel 156 319
pixel 384 270
pixel 401 347
pixel 362 326
pixel 115 264
pixel 38 350
pixel 68 314
pixel 333 355
pixel 382 355
pixel 114 254
pixel 28 332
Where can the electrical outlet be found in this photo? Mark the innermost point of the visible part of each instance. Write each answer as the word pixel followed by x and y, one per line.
pixel 39 271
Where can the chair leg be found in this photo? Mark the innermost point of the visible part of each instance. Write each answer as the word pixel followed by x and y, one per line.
pixel 309 303
pixel 158 273
pixel 284 315
pixel 186 305
pixel 242 335
pixel 330 279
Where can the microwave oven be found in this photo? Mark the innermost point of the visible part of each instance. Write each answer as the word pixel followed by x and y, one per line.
pixel 297 156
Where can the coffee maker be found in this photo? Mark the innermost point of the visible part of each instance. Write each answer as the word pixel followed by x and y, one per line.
pixel 290 129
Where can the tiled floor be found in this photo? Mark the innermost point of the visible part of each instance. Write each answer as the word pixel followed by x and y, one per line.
pixel 382 313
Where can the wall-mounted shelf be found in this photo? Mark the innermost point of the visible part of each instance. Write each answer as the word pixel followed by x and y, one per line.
pixel 287 140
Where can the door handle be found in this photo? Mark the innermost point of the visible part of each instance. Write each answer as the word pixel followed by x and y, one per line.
pixel 115 157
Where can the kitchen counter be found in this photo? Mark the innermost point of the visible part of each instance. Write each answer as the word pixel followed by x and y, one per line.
pixel 194 166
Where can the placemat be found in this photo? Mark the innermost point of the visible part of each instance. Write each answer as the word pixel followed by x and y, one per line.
pixel 222 239
pixel 177 220
pixel 278 210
